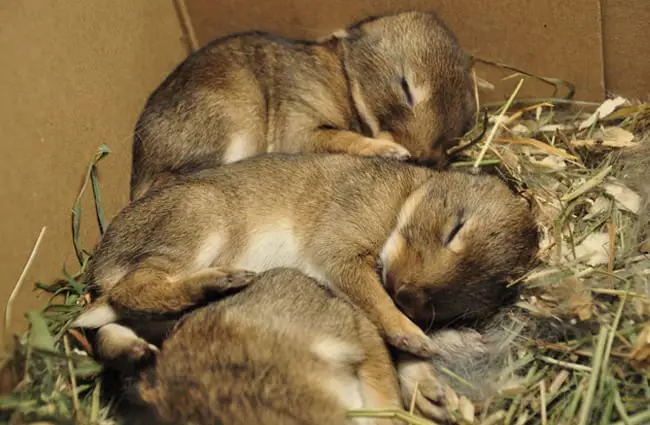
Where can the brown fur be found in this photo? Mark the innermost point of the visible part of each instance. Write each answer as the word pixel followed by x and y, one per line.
pixel 253 93
pixel 331 216
pixel 121 347
pixel 285 350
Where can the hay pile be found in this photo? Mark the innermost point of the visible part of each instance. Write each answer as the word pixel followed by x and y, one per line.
pixel 588 363
pixel 583 356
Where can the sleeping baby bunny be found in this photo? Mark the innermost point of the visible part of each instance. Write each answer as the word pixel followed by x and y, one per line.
pixel 443 244
pixel 395 86
pixel 284 350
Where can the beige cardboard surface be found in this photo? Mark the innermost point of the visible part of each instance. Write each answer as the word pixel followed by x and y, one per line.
pixel 626 35
pixel 554 38
pixel 73 75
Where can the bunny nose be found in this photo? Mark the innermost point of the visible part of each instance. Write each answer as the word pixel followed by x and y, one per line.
pixel 411 303
pixel 441 156
pixel 403 296
pixel 435 159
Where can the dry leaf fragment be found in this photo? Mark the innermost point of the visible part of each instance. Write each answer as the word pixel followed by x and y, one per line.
pixel 580 305
pixel 624 196
pixel 611 137
pixel 554 127
pixel 594 250
pixel 466 410
pixel 599 205
pixel 640 354
pixel 600 143
pixel 615 137
pixel 520 130
pixel 452 399
pixel 606 108
pixel 553 163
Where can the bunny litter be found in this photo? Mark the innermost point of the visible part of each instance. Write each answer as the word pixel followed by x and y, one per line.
pixel 588 176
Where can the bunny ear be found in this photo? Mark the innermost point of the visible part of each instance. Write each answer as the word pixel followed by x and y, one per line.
pixel 364 21
pixel 353 32
pixel 356 30
pixel 349 33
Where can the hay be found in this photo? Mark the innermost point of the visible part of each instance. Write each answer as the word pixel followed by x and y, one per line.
pixel 584 354
pixel 586 351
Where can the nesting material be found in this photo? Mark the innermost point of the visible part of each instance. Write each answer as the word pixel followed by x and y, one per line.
pixel 583 355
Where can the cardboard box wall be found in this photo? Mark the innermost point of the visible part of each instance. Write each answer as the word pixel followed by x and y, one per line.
pixel 76 74
pixel 73 75
pixel 597 44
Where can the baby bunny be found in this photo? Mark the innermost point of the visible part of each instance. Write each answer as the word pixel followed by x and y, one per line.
pixel 446 243
pixel 395 86
pixel 283 350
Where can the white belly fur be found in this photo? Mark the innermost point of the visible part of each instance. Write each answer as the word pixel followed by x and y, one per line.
pixel 265 249
pixel 240 147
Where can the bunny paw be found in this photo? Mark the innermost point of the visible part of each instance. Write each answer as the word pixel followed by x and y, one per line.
pixel 418 381
pixel 141 350
pixel 408 337
pixel 220 279
pixel 381 147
